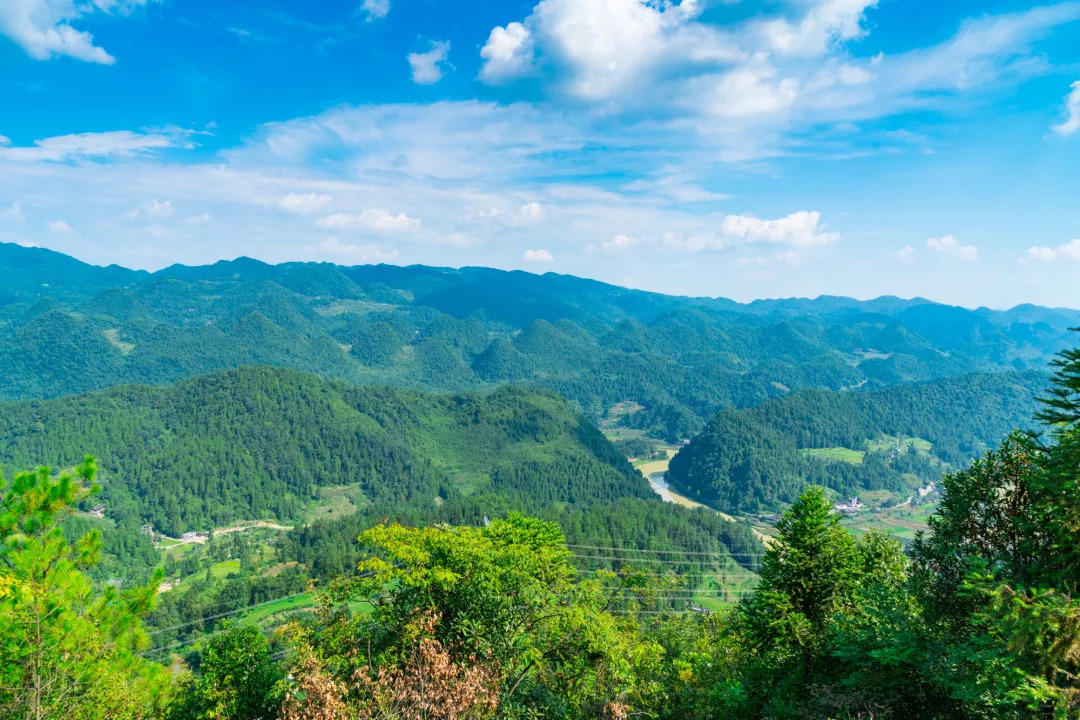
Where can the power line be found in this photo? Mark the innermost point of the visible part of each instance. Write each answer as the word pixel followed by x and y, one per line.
pixel 192 641
pixel 677 591
pixel 672 574
pixel 224 614
pixel 651 561
pixel 666 552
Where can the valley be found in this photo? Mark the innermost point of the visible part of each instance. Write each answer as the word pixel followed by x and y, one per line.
pixel 295 408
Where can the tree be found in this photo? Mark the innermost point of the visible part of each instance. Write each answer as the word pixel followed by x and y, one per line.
pixel 1061 404
pixel 999 573
pixel 237 679
pixel 492 615
pixel 986 521
pixel 810 572
pixel 67 649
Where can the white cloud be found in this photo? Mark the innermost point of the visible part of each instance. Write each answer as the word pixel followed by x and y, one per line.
pixel 751 85
pixel 43 28
pixel 343 251
pixel 747 91
pixel 799 229
pixel 600 50
pixel 906 253
pixel 538 256
pixel 13 212
pixel 152 209
pixel 375 9
pixel 85 146
pixel 507 54
pixel 374 219
pixel 616 245
pixel 800 232
pixel 827 22
pixel 200 219
pixel 58 227
pixel 429 67
pixel 951 246
pixel 531 211
pixel 1072 110
pixel 1068 251
pixel 304 203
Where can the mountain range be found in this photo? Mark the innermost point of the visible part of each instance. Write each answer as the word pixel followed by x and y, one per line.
pixel 70 327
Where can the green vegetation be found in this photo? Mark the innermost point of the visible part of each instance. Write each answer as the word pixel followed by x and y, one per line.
pixel 262 443
pixel 665 363
pixel 67 649
pixel 894 439
pixel 516 618
pixel 839 454
pixel 511 562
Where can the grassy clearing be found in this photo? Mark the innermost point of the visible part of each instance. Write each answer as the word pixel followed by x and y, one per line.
pixel 837 454
pixel 360 307
pixel 217 571
pixel 113 336
pixel 264 612
pixel 335 502
pixel 889 442
pixel 903 522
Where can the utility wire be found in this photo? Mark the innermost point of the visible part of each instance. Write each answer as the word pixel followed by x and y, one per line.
pixel 224 614
pixel 674 562
pixel 666 552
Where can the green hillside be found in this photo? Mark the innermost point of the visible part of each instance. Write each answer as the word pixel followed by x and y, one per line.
pixel 761 458
pixel 67 327
pixel 259 443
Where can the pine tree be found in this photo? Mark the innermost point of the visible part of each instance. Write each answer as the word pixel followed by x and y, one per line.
pixel 67 650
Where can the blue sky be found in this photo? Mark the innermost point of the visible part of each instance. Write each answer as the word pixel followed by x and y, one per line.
pixel 708 147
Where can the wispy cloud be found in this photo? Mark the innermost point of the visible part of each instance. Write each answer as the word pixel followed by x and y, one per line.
pixel 949 245
pixel 86 146
pixel 1072 112
pixel 429 67
pixel 374 9
pixel 1068 251
pixel 43 28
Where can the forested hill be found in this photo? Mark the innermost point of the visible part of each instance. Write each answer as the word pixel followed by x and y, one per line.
pixel 68 327
pixel 260 443
pixel 896 439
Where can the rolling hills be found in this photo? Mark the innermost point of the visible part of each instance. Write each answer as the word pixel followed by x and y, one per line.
pixel 67 327
pixel 895 439
pixel 260 443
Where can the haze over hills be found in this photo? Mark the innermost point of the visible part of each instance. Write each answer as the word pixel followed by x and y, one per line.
pixel 68 327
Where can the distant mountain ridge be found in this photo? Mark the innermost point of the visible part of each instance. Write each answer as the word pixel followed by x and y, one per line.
pixel 67 327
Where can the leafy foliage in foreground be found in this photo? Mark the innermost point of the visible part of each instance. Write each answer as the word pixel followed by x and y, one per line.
pixel 67 649
pixel 499 620
pixel 981 623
